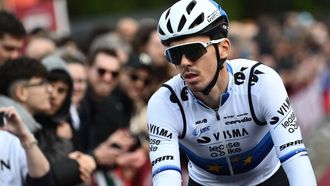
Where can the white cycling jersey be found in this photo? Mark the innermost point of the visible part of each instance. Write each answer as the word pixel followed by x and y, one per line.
pixel 244 142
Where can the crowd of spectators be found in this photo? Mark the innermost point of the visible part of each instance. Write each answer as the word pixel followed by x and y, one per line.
pixel 94 127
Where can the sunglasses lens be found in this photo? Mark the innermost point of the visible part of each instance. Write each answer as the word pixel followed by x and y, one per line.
pixel 101 71
pixel 173 55
pixel 134 77
pixel 115 74
pixel 194 51
pixel 191 51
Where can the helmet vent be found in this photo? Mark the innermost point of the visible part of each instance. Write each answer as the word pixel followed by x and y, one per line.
pixel 169 27
pixel 191 6
pixel 167 13
pixel 160 31
pixel 182 22
pixel 197 21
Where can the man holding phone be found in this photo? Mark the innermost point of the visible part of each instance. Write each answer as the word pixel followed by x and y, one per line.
pixel 23 161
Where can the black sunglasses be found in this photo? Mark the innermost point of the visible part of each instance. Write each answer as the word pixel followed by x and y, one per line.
pixel 102 71
pixel 135 77
pixel 192 51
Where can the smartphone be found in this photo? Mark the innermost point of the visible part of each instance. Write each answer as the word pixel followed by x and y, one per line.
pixel 3 119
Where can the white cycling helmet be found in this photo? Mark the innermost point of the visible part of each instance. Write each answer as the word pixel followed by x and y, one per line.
pixel 192 17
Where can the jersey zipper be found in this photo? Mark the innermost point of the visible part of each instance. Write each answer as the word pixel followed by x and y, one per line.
pixel 217 115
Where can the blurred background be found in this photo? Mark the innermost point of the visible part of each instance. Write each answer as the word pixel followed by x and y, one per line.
pixel 290 36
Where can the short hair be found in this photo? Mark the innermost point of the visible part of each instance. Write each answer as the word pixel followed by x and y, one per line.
pixel 107 51
pixel 71 56
pixel 22 68
pixel 9 24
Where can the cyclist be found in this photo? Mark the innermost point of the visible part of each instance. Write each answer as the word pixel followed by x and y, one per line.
pixel 231 118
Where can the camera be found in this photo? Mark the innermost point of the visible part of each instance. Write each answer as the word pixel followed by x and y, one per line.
pixel 3 119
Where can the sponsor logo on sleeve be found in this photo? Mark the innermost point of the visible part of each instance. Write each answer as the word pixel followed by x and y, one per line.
pixel 160 159
pixel 287 119
pixel 292 143
pixel 156 130
pixel 154 144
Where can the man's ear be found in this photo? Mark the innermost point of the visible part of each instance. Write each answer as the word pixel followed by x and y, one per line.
pixel 225 46
pixel 20 93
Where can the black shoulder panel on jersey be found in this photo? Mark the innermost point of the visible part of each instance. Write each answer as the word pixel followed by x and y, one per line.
pixel 250 97
pixel 174 98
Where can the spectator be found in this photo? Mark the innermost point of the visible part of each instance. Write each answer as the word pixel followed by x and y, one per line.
pixel 77 67
pixel 28 91
pixel 126 28
pixel 22 160
pixel 147 41
pixel 132 90
pixel 12 33
pixel 103 73
pixel 39 47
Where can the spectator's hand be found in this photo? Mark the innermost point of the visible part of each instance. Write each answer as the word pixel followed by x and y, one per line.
pixel 87 164
pixel 106 155
pixel 15 124
pixel 134 159
pixel 64 130
pixel 122 138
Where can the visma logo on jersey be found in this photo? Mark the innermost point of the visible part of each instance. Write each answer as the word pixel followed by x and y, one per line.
pixel 156 130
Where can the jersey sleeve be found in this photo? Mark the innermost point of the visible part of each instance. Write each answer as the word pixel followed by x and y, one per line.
pixel 277 110
pixel 164 129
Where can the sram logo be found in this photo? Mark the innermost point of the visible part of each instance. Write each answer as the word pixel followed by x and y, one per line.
pixel 292 143
pixel 157 160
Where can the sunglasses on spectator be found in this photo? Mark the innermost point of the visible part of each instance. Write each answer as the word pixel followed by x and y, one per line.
pixel 191 50
pixel 101 72
pixel 135 77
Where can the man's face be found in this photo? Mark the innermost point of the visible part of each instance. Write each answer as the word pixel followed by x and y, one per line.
pixel 10 47
pixel 79 75
pixel 37 95
pixel 198 72
pixel 135 82
pixel 103 75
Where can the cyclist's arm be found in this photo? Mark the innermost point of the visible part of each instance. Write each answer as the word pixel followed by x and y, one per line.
pixel 164 150
pixel 285 132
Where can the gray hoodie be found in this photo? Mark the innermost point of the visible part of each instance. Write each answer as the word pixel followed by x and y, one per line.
pixel 27 118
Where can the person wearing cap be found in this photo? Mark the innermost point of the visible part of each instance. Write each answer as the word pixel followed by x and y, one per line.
pixel 232 118
pixel 132 92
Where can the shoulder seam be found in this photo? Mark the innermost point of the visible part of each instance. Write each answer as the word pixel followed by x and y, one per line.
pixel 250 96
pixel 181 109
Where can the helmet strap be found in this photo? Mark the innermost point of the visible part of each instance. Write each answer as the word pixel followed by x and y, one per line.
pixel 220 62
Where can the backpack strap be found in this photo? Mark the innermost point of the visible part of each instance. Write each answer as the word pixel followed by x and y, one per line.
pixel 250 97
pixel 174 98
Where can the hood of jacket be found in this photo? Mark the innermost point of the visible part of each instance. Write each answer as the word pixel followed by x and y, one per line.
pixel 52 64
